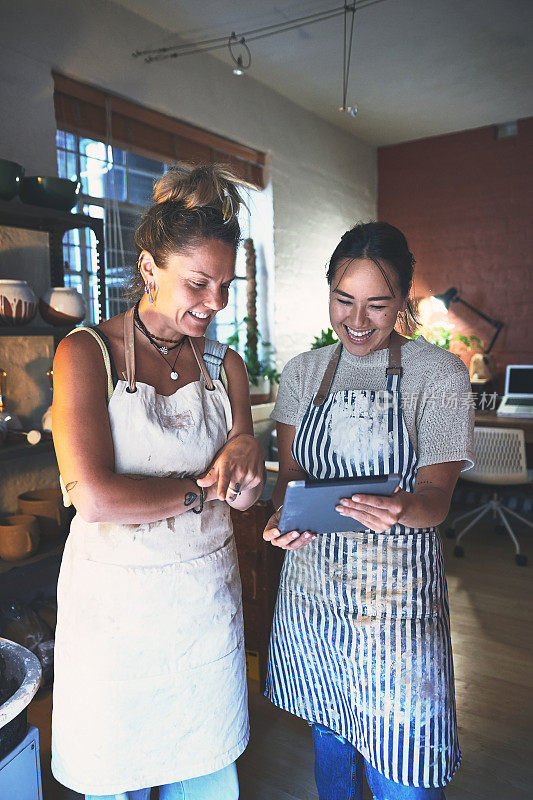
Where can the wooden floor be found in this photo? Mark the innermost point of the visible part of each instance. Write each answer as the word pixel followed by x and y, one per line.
pixel 492 619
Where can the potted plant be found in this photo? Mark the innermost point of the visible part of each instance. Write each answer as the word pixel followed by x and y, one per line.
pixel 262 370
pixel 326 337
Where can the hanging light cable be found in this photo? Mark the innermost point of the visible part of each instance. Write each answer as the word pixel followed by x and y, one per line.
pixel 243 60
pixel 219 42
pixel 347 56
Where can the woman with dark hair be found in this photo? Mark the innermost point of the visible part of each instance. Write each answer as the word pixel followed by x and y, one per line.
pixel 360 643
pixel 153 433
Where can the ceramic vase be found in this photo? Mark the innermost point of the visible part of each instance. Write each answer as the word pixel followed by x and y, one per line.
pixel 62 306
pixel 18 304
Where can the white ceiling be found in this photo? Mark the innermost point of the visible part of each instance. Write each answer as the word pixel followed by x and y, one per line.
pixel 419 67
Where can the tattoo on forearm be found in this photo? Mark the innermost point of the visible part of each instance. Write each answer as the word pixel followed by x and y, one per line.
pixel 136 477
pixel 424 483
pixel 190 497
pixel 70 486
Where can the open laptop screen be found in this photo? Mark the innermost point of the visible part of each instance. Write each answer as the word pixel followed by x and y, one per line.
pixel 519 380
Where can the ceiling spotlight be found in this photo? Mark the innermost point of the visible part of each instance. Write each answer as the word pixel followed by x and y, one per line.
pixel 350 110
pixel 242 60
pixel 237 69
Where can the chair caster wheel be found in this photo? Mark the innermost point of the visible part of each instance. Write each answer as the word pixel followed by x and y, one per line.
pixel 521 560
pixel 458 551
pixel 450 533
pixel 499 529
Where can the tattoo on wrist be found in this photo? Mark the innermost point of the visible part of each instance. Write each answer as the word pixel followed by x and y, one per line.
pixel 190 497
pixel 424 483
pixel 70 486
pixel 136 477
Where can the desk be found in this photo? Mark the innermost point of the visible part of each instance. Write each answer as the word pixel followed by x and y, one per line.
pixel 490 419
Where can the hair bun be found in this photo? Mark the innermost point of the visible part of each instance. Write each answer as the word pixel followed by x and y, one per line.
pixel 210 185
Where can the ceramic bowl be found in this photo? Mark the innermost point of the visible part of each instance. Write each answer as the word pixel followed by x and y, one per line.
pixel 47 506
pixel 11 175
pixel 58 193
pixel 18 303
pixel 19 536
pixel 62 306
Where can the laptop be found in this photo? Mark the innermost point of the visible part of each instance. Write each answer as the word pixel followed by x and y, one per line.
pixel 518 398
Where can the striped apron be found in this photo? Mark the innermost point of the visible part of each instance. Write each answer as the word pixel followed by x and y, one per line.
pixel 360 640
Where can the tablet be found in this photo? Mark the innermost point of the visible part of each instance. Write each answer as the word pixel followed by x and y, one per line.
pixel 310 505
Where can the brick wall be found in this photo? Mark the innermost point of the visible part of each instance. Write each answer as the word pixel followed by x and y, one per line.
pixel 464 201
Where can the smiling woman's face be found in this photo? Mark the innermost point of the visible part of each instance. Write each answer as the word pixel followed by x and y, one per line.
pixel 362 307
pixel 193 286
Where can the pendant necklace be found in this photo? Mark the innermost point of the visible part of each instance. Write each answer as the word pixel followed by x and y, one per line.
pixel 162 350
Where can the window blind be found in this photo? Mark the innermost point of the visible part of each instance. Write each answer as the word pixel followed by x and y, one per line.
pixel 82 109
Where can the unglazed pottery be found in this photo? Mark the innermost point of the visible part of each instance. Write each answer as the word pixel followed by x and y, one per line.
pixel 18 303
pixel 47 506
pixel 62 306
pixel 19 536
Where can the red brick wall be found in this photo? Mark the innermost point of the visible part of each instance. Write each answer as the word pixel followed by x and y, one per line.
pixel 465 203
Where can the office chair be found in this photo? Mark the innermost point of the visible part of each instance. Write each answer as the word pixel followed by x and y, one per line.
pixel 499 458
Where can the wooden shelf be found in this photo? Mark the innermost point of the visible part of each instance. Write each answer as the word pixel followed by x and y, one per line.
pixel 10 450
pixel 35 330
pixel 48 548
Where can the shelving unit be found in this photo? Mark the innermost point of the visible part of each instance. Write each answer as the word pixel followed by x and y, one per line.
pixel 56 223
pixel 10 450
pixel 35 330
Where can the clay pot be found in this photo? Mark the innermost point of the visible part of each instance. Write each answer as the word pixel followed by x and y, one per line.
pixel 62 306
pixel 18 304
pixel 19 536
pixel 47 506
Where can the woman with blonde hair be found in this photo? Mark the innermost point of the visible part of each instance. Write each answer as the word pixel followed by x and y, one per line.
pixel 154 439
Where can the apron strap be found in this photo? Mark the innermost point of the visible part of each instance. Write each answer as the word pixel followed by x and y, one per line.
pixel 209 385
pixel 129 354
pixel 395 355
pixel 129 349
pixel 327 380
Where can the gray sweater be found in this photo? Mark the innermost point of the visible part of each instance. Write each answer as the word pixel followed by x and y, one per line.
pixel 435 394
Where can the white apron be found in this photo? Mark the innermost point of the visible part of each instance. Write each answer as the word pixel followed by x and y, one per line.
pixel 150 676
pixel 361 636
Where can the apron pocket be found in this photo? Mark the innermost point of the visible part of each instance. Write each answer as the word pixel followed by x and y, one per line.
pixel 124 622
pixel 372 575
pixel 399 575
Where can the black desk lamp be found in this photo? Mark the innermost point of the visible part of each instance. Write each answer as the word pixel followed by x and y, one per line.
pixel 451 296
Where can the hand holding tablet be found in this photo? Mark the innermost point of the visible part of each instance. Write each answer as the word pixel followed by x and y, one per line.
pixel 312 505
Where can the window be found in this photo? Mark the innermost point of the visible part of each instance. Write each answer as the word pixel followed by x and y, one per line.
pixel 116 186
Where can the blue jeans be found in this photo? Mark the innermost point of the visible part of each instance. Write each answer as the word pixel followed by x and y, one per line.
pixel 221 785
pixel 339 773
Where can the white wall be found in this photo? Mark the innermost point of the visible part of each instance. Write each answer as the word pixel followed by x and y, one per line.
pixel 322 178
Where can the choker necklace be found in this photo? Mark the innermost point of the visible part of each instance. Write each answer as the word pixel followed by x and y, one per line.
pixel 163 349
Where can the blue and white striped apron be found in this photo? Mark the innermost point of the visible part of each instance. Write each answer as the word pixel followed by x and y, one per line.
pixel 361 638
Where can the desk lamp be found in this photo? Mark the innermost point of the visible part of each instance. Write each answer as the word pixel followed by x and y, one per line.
pixel 480 368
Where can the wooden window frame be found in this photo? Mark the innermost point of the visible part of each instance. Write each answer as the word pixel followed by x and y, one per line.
pixel 82 109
